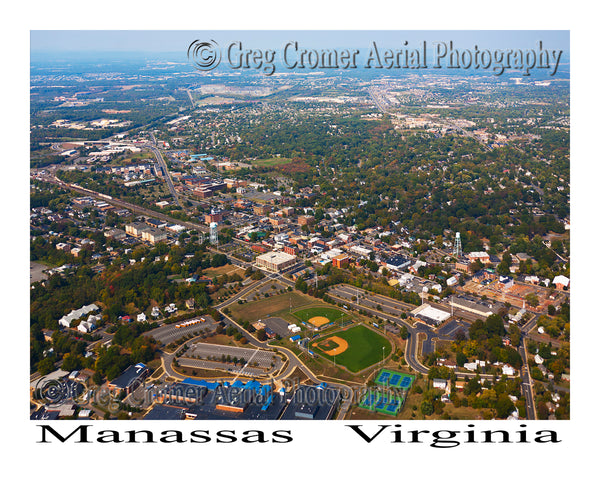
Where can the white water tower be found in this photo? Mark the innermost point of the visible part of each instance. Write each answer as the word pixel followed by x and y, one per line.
pixel 214 233
pixel 457 246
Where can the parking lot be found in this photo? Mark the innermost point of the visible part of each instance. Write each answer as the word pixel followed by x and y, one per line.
pixel 170 333
pixel 36 272
pixel 204 350
pixel 278 325
pixel 207 351
pixel 239 368
pixel 452 327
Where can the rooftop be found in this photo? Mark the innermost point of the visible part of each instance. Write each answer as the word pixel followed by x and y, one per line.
pixel 276 257
pixel 130 375
pixel 431 313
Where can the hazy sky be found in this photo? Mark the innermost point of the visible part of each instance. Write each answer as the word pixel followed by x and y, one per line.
pixel 178 40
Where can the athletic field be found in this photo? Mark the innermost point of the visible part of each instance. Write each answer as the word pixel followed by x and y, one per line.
pixel 392 378
pixel 382 402
pixel 356 348
pixel 319 316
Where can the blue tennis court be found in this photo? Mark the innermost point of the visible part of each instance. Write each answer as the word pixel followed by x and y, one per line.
pixel 394 379
pixel 406 382
pixel 382 403
pixel 369 401
pixel 392 407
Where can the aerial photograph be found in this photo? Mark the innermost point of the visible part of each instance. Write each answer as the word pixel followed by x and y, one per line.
pixel 299 225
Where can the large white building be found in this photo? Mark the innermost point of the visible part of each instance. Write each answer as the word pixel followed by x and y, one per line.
pixel 275 261
pixel 75 314
pixel 362 251
pixel 430 314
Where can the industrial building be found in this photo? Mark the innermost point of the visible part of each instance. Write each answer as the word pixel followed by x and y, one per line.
pixel 194 399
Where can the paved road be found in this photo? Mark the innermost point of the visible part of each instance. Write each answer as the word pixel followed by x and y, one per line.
pixel 161 161
pixel 527 383
pixel 412 345
pixel 391 309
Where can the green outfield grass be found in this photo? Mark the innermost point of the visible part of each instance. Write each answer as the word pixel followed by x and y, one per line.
pixel 365 348
pixel 332 314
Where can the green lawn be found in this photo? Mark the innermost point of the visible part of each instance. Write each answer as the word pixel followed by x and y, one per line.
pixel 365 348
pixel 332 314
pixel 270 162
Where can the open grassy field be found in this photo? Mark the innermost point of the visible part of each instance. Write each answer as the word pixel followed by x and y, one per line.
pixel 365 348
pixel 271 162
pixel 275 305
pixel 214 272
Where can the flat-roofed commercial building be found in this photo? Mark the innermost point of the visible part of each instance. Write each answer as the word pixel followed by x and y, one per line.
pixel 340 261
pixel 484 257
pixel 477 307
pixel 306 220
pixel 136 228
pixel 153 235
pixel 275 261
pixel 431 315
